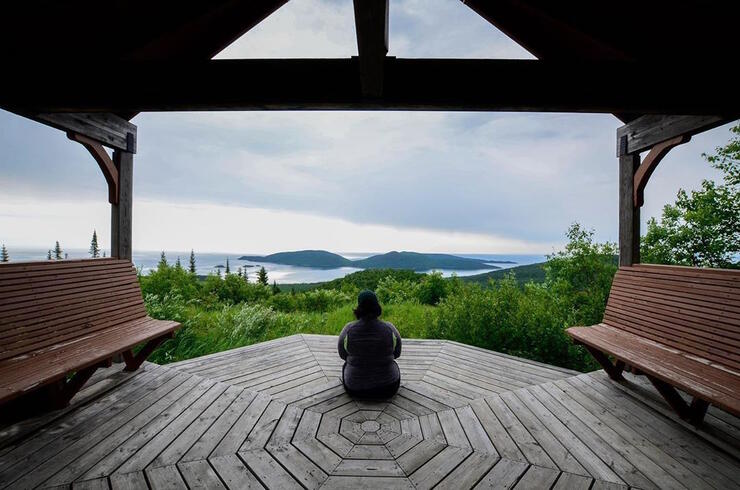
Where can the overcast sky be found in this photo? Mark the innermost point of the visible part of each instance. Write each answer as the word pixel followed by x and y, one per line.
pixel 342 181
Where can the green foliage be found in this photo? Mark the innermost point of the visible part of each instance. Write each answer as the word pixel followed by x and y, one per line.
pixel 370 279
pixel 702 228
pixel 94 248
pixel 523 273
pixel 228 269
pixel 527 321
pixel 191 265
pixel 4 256
pixel 581 275
pixel 58 254
pixel 262 277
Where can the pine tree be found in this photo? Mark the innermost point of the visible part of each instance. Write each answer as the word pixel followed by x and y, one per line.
pixel 218 272
pixel 4 257
pixel 262 277
pixel 275 288
pixel 192 261
pixel 178 265
pixel 228 270
pixel 94 248
pixel 48 255
pixel 58 252
pixel 246 274
pixel 239 272
pixel 162 261
pixel 66 255
pixel 103 253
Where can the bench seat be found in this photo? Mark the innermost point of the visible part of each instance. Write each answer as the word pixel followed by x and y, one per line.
pixel 679 326
pixel 694 375
pixel 61 320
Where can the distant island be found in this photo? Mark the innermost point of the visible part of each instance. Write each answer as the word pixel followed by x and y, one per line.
pixel 321 259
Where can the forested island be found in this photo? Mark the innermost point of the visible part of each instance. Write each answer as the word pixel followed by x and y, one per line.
pixel 392 260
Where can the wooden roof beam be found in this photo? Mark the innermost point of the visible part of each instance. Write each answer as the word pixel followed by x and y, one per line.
pixel 409 84
pixel 371 25
pixel 104 128
pixel 647 131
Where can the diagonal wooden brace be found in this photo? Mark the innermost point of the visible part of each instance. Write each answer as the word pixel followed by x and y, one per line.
pixel 104 161
pixel 134 361
pixel 693 413
pixel 63 391
pixel 613 370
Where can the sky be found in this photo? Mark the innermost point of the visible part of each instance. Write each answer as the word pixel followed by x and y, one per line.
pixel 263 182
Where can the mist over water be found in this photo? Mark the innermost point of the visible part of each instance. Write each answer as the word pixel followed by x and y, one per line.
pixel 208 263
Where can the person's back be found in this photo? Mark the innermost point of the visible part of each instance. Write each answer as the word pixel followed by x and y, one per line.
pixel 369 347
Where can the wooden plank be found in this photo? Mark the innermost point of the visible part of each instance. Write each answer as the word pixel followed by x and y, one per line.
pixel 72 445
pixel 126 458
pixel 418 455
pixel 200 426
pixel 504 475
pixel 469 472
pixel 503 443
pixel 305 440
pixel 128 481
pixel 524 440
pixel 363 483
pixel 568 481
pixel 215 434
pixel 96 484
pixel 368 467
pixel 165 478
pixel 234 472
pixel 237 433
pixel 269 472
pixel 564 459
pixel 536 478
pixel 200 475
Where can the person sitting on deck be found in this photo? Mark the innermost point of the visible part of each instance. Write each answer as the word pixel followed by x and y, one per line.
pixel 369 346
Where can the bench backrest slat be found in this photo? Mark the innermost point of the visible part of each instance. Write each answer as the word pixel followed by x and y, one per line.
pixel 43 304
pixel 696 311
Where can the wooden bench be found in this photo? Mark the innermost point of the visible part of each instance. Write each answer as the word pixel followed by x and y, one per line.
pixel 71 316
pixel 679 326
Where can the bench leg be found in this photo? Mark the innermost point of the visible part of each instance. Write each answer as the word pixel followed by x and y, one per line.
pixel 62 392
pixel 613 370
pixel 693 413
pixel 134 361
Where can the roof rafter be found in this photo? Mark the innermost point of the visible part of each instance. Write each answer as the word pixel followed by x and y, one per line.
pixel 371 24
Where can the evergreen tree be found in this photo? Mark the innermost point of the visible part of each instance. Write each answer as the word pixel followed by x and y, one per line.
pixel 4 257
pixel 178 265
pixel 218 272
pixel 246 274
pixel 262 277
pixel 162 261
pixel 103 253
pixel 192 261
pixel 228 270
pixel 48 255
pixel 66 255
pixel 58 254
pixel 94 248
pixel 275 288
pixel 239 272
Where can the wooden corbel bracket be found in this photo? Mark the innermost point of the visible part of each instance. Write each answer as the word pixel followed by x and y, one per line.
pixel 648 166
pixel 110 172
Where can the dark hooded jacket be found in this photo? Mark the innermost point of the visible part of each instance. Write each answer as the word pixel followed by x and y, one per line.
pixel 369 348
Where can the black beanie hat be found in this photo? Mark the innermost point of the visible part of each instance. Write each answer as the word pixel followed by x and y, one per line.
pixel 367 305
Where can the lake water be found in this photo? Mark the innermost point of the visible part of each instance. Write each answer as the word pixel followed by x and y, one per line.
pixel 207 263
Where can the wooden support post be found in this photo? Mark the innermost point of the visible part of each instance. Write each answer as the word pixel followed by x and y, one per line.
pixel 121 219
pixel 629 214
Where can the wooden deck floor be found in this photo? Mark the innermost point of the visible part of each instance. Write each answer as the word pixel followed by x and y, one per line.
pixel 275 415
